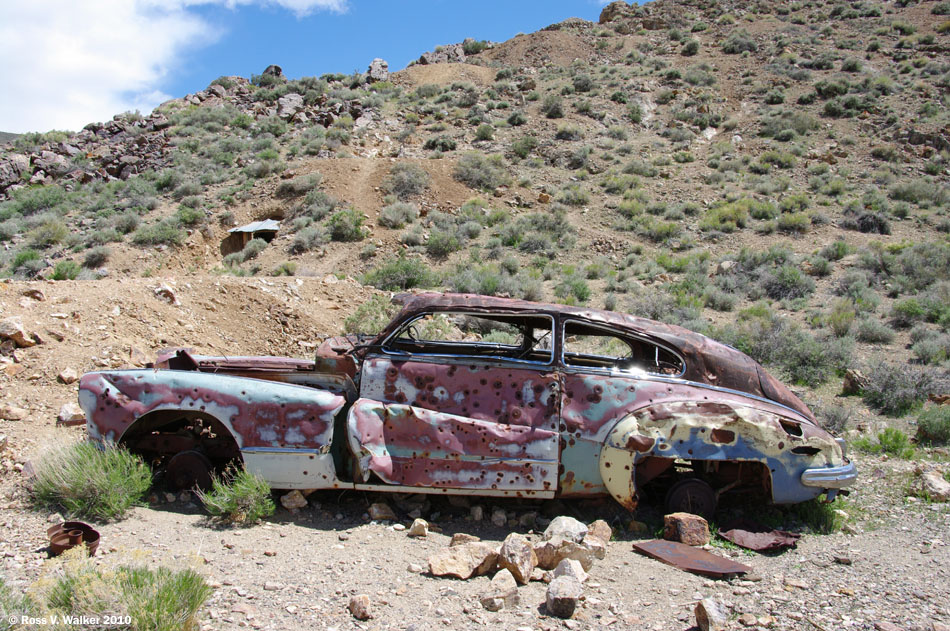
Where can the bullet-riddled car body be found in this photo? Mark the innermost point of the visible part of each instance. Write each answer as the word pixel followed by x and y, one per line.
pixel 464 394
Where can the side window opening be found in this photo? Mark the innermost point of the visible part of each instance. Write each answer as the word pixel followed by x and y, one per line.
pixel 526 338
pixel 594 347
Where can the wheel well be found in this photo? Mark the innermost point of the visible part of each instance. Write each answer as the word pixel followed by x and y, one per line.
pixel 161 434
pixel 749 477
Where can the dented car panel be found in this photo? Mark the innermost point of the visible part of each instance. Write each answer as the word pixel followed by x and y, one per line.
pixel 532 407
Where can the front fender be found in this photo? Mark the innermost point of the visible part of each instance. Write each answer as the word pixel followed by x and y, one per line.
pixel 691 430
pixel 258 413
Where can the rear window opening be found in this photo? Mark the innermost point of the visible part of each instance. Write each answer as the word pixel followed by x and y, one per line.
pixel 591 346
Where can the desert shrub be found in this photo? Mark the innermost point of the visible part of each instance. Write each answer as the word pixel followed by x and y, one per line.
pixel 440 143
pixel 300 185
pixel 573 195
pixel 96 257
pixel 794 222
pixel 921 192
pixel 287 268
pixel 238 497
pixel 891 441
pixel 725 218
pixel 517 118
pixel 66 270
pixel 310 238
pixel 50 232
pixel 346 225
pixel 401 273
pixel 836 250
pixel 834 418
pixel 719 299
pixel 841 317
pixel 873 331
pixel 372 316
pixel 933 425
pixel 932 349
pixel 524 146
pixel 188 216
pixel 474 46
pixel 896 389
pixel 88 480
pixel 569 132
pixel 739 41
pixel 398 215
pixel 635 113
pixel 480 171
pixel 552 106
pixel 690 48
pixel 126 222
pixel 155 598
pixel 484 132
pixel 441 243
pixel 167 231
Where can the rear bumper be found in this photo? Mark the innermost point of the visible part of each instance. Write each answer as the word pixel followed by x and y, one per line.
pixel 831 477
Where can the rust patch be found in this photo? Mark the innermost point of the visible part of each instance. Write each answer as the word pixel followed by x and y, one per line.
pixel 723 436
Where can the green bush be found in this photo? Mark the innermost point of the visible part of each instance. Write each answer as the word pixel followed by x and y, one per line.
pixel 440 143
pixel 568 132
pixel 48 233
pixel 483 172
pixel 87 480
pixel 96 257
pixel 346 225
pixel 933 425
pixel 552 107
pixel 874 331
pixel 896 389
pixel 238 497
pixel 167 231
pixel 441 243
pixel 372 316
pixel 310 238
pixel 891 441
pixel 401 273
pixel 66 270
pixel 738 42
pixel 397 215
pixel 300 185
pixel 524 146
pixel 484 132
pixel 787 282
pixel 405 180
pixel 155 598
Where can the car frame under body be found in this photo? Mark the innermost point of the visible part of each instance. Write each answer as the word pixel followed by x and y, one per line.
pixel 540 417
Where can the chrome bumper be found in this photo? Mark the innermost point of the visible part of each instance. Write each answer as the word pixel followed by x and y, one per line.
pixel 831 477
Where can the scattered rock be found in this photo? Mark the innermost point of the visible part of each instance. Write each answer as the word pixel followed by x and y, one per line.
pixel 271 586
pixel 565 528
pixel 13 413
pixel 415 568
pixel 599 530
pixel 498 518
pixel 562 596
pixel 68 376
pixel 553 551
pixel 544 198
pixel 360 607
pixel 854 382
pixel 34 294
pixel 747 620
pixel 70 414
pixel 710 615
pixel 887 626
pixel 460 538
pixel 934 487
pixel 517 556
pixel 502 592
pixel 686 528
pixel 12 329
pixel 164 292
pixel 419 528
pixel 378 71
pixel 380 511
pixel 571 567
pixel 464 560
pixel 289 104
pixel 3 442
pixel 292 500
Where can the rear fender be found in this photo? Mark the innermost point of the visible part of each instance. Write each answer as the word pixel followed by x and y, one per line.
pixel 689 430
pixel 257 413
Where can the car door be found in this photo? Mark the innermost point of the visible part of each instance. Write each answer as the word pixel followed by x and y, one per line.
pixel 461 401
pixel 606 374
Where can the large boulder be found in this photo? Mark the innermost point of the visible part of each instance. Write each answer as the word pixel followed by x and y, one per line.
pixel 562 596
pixel 613 11
pixel 464 561
pixel 12 329
pixel 686 528
pixel 553 551
pixel 934 486
pixel 289 104
pixel 517 556
pixel 565 528
pixel 378 71
pixel 502 592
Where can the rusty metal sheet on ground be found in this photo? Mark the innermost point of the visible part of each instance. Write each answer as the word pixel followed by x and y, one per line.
pixel 759 538
pixel 690 559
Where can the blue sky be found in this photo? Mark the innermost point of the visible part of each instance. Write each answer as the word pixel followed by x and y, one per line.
pixel 71 62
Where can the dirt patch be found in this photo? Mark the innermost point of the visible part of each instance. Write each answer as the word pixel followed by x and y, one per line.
pixel 443 74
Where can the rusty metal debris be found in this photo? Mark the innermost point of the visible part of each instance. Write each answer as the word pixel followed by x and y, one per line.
pixel 759 538
pixel 690 559
pixel 70 534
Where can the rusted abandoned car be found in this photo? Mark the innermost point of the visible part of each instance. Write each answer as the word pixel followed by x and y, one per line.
pixel 464 394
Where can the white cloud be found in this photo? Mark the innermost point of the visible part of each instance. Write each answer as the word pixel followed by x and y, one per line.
pixel 70 62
